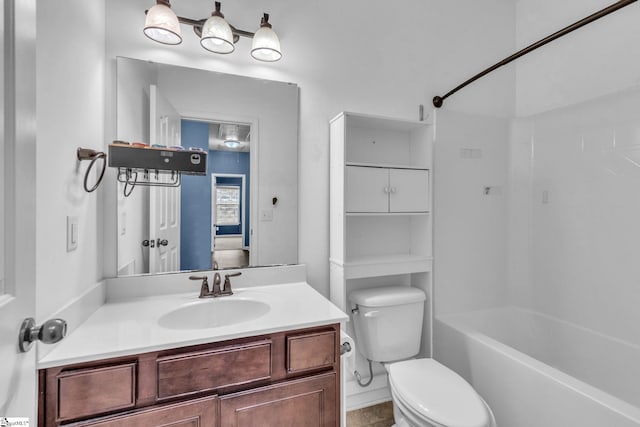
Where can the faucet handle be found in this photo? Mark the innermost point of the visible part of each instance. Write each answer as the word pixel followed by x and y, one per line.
pixel 204 288
pixel 227 283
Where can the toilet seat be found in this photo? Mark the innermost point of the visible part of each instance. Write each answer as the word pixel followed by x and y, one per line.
pixel 436 394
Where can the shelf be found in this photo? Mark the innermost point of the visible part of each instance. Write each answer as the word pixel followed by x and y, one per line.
pixel 381 122
pixel 386 265
pixel 385 165
pixel 356 214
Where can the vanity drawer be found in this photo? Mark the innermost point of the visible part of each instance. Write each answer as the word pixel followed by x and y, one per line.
pixel 96 390
pixel 310 351
pixel 209 370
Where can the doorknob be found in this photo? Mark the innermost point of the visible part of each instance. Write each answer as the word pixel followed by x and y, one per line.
pixel 163 242
pixel 49 332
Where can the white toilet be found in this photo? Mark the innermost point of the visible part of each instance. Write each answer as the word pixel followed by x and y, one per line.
pixel 425 393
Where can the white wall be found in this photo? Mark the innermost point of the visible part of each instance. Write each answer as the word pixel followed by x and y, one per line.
pixel 595 60
pixel 133 125
pixel 470 227
pixel 363 56
pixel 70 114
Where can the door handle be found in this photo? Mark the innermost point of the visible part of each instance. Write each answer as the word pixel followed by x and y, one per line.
pixel 50 332
pixel 163 242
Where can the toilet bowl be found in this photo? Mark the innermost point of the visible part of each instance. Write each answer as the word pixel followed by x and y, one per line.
pixel 426 393
pixel 388 325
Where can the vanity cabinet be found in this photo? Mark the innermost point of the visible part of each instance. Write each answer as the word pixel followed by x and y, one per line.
pixel 284 378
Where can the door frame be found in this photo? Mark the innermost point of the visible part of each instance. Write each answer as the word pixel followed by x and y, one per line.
pixel 242 205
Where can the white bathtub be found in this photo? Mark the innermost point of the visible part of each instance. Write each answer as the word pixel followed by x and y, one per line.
pixel 538 371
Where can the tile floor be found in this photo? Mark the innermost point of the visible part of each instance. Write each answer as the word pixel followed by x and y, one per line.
pixel 380 415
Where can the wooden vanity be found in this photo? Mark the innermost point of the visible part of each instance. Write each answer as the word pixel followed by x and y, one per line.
pixel 289 378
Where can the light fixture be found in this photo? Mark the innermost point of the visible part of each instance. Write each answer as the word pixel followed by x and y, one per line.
pixel 266 45
pixel 162 25
pixel 232 143
pixel 229 132
pixel 216 34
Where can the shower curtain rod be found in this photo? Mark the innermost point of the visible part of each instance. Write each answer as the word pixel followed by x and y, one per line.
pixel 438 100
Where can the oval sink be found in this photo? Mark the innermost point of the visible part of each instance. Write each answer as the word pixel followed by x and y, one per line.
pixel 213 313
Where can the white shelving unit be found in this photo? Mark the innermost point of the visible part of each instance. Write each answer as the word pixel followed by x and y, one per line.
pixel 380 207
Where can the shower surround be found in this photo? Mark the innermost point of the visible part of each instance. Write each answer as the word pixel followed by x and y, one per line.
pixel 542 307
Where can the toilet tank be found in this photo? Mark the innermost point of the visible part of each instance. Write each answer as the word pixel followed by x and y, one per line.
pixel 388 322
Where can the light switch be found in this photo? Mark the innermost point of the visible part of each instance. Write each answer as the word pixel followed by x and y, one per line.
pixel 72 233
pixel 545 197
pixel 266 215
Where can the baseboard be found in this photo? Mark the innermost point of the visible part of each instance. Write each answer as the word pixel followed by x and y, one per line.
pixel 359 397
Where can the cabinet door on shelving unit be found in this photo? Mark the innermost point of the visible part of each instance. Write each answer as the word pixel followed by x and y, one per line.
pixel 409 190
pixel 366 189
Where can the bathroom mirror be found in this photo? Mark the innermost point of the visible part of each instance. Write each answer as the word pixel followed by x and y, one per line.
pixel 244 211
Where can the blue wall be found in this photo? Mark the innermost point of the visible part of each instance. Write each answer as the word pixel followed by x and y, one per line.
pixel 195 220
pixel 195 205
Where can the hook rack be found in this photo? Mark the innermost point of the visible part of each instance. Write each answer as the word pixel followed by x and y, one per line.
pixel 129 177
pixel 138 165
pixel 93 156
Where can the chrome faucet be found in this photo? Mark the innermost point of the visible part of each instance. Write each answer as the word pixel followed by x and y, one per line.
pixel 216 285
pixel 215 291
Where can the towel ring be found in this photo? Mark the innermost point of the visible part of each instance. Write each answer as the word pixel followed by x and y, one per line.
pixel 93 156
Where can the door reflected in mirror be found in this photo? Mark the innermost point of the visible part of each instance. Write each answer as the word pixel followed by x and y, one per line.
pixel 243 212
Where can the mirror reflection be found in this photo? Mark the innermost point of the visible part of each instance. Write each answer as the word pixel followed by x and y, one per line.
pixel 244 211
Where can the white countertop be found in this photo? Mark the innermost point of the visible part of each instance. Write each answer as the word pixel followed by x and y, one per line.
pixel 128 327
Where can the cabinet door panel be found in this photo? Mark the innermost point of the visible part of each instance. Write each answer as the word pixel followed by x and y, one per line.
pixel 202 371
pixel 89 392
pixel 306 402
pixel 409 190
pixel 195 413
pixel 366 189
pixel 310 351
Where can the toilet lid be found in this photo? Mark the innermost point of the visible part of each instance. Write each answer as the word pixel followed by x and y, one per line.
pixel 437 394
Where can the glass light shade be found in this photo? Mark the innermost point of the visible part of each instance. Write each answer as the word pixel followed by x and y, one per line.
pixel 266 45
pixel 217 36
pixel 162 25
pixel 232 144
